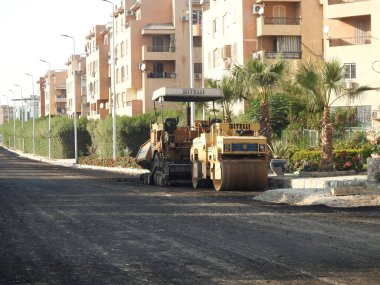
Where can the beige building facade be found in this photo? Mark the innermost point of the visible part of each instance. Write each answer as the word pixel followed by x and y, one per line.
pixel 55 92
pixel 6 114
pixel 97 72
pixel 76 73
pixel 351 34
pixel 237 30
pixel 152 51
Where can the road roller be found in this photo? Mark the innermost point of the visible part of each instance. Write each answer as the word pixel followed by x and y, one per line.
pixel 167 152
pixel 230 156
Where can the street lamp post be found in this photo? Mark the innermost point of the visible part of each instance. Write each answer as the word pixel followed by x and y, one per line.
pixel 22 107
pixel 49 128
pixel 14 119
pixel 191 59
pixel 113 84
pixel 22 114
pixel 73 66
pixel 34 111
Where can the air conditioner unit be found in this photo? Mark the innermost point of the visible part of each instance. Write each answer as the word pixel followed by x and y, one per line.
pixel 184 18
pixel 197 75
pixel 375 115
pixel 129 13
pixel 347 84
pixel 258 9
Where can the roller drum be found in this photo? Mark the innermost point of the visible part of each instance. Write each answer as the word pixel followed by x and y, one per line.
pixel 242 174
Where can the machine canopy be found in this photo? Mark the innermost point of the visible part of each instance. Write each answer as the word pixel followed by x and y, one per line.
pixel 187 94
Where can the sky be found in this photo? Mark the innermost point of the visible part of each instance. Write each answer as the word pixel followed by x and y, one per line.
pixel 31 30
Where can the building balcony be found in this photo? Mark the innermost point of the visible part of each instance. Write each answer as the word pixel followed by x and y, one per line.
pixel 160 75
pixel 278 26
pixel 60 99
pixel 60 86
pixel 163 53
pixel 349 41
pixel 274 55
pixel 279 1
pixel 197 30
pixel 61 111
pixel 337 9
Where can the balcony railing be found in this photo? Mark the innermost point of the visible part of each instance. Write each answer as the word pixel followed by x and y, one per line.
pixel 160 49
pixel 286 55
pixel 161 74
pixel 349 41
pixel 333 2
pixel 281 21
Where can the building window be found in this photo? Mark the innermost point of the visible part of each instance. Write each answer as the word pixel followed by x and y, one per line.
pixel 122 49
pixel 350 70
pixel 279 15
pixel 197 41
pixel 122 74
pixel 158 44
pixel 124 99
pixel 215 25
pixel 158 69
pixel 197 17
pixel 197 67
pixel 117 75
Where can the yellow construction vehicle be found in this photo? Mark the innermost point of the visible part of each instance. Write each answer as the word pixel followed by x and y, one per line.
pixel 167 153
pixel 232 156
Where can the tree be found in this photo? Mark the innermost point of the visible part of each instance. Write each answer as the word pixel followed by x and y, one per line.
pixel 323 82
pixel 227 85
pixel 258 79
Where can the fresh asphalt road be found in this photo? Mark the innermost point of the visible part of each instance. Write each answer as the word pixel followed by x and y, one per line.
pixel 69 226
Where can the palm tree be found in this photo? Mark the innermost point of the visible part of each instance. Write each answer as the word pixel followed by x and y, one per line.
pixel 323 82
pixel 226 84
pixel 259 79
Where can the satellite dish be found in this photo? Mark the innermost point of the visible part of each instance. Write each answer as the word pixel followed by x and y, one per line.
pixel 326 30
pixel 261 11
pixel 142 66
pixel 101 105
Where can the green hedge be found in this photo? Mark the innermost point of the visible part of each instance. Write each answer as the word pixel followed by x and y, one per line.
pixel 94 136
pixel 62 136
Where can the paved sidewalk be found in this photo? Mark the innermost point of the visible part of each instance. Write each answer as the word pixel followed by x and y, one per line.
pixel 71 163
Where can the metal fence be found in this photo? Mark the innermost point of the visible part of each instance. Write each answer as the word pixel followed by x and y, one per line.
pixel 311 138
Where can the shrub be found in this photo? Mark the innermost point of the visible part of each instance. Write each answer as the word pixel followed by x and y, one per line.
pixel 348 160
pixel 301 158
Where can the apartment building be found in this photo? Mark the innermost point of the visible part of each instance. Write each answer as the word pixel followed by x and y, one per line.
pixel 152 50
pixel 237 30
pixel 351 34
pixel 6 114
pixel 41 84
pixel 54 89
pixel 76 79
pixel 97 72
